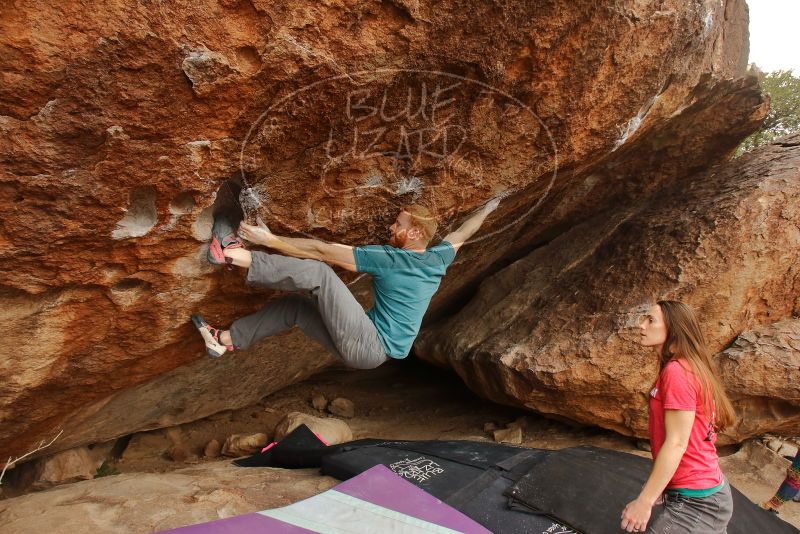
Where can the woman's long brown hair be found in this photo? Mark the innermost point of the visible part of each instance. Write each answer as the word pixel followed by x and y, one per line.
pixel 685 339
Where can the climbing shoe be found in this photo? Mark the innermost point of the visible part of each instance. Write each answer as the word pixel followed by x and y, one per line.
pixel 214 346
pixel 223 236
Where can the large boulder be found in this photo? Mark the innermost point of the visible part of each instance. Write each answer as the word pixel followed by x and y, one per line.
pixel 123 127
pixel 761 371
pixel 152 502
pixel 66 466
pixel 556 331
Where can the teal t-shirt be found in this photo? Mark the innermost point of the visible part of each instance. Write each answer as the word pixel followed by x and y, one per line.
pixel 403 283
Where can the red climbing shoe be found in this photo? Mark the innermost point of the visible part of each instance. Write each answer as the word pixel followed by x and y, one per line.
pixel 223 236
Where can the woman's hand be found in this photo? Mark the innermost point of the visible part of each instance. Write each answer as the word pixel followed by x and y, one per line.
pixel 258 235
pixel 636 515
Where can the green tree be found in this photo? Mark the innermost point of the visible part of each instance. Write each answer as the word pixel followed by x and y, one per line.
pixel 784 114
pixel 106 469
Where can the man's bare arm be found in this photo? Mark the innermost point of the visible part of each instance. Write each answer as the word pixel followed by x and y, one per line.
pixel 333 253
pixel 471 225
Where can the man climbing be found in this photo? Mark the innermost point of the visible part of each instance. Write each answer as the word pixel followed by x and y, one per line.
pixel 406 274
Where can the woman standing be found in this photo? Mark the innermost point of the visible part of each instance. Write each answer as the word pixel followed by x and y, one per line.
pixel 687 407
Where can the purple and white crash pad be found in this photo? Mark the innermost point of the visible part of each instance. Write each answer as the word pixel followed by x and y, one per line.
pixel 377 500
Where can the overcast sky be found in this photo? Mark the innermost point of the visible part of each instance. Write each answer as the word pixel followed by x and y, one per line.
pixel 775 34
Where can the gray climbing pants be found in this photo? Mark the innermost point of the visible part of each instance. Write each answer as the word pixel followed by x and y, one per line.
pixel 324 309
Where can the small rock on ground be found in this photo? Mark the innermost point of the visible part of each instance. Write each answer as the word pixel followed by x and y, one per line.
pixel 243 444
pixel 332 431
pixel 212 449
pixel 511 435
pixel 319 402
pixel 342 407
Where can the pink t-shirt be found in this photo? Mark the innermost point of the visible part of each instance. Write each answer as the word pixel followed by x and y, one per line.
pixel 677 388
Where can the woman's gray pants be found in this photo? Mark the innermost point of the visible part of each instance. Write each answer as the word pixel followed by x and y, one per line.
pixel 695 515
pixel 328 313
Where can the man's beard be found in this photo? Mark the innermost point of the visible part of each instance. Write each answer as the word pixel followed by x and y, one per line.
pixel 399 239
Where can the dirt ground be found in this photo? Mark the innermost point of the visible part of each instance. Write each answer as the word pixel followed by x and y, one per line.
pixel 412 400
pixel 400 400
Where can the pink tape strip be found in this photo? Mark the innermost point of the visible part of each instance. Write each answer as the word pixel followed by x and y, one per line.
pixel 268 447
pixel 320 438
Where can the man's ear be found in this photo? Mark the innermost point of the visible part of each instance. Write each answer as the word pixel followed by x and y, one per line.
pixel 414 233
